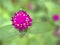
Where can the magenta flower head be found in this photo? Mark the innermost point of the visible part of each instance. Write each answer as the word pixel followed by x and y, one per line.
pixel 21 20
pixel 55 17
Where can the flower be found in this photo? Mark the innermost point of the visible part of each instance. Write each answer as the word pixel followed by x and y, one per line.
pixel 21 20
pixel 55 17
pixel 30 6
pixel 56 33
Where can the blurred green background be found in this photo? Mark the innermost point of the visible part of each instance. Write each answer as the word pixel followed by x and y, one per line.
pixel 41 31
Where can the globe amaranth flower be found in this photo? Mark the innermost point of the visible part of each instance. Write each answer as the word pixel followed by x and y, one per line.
pixel 56 33
pixel 55 17
pixel 21 20
pixel 30 6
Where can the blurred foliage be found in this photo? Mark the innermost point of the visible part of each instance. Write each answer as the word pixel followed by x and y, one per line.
pixel 40 33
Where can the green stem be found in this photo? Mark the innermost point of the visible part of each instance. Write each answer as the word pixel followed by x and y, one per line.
pixel 1 42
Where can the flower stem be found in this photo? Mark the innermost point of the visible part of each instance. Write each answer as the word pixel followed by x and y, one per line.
pixel 1 42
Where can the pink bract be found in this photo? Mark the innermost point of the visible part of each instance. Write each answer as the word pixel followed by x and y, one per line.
pixel 55 17
pixel 21 20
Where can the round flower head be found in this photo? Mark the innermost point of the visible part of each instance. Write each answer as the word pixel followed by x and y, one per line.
pixel 21 20
pixel 55 17
pixel 56 33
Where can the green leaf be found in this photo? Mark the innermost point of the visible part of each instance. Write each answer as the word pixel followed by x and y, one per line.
pixel 40 27
pixel 51 7
pixel 7 32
